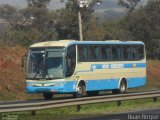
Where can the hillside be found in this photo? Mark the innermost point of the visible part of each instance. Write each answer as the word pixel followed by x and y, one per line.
pixel 108 4
pixel 11 74
pixel 109 15
pixel 153 73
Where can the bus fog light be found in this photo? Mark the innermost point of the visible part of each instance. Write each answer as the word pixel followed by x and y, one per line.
pixel 53 91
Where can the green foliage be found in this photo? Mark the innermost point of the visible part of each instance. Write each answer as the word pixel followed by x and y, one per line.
pixel 68 27
pixel 29 25
pixel 12 15
pixel 37 23
pixel 130 5
pixel 67 24
pixel 115 31
pixel 142 24
pixel 38 3
pixel 95 31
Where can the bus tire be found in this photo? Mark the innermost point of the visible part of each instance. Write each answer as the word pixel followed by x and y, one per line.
pixel 48 96
pixel 81 91
pixel 122 89
pixel 115 91
pixel 92 93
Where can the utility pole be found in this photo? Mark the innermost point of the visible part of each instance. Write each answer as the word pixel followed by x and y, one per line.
pixel 80 26
pixel 82 4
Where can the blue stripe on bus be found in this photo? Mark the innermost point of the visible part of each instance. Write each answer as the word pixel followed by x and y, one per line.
pixel 119 65
pixel 106 43
pixel 136 65
pixel 67 87
pixel 91 85
pixel 136 82
pixel 110 84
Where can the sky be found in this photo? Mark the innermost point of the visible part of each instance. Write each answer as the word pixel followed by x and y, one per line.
pixel 55 4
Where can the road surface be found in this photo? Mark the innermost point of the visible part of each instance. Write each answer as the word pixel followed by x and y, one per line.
pixel 153 114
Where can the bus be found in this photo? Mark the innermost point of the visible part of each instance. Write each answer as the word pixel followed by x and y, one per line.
pixel 85 67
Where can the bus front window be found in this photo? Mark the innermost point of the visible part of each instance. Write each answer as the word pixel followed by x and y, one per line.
pixel 46 64
pixel 35 64
pixel 54 65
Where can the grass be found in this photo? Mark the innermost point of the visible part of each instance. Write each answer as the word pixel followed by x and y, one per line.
pixel 88 110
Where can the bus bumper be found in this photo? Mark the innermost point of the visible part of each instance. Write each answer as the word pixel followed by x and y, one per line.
pixel 68 87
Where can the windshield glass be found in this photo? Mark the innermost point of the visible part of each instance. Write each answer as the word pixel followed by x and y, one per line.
pixel 45 63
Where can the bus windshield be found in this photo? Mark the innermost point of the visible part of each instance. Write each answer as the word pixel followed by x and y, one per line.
pixel 45 63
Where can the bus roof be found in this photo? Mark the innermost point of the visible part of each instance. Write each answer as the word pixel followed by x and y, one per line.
pixel 65 43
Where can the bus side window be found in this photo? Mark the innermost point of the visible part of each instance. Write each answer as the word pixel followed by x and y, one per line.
pixel 96 53
pixel 140 50
pixel 129 53
pixel 108 53
pixel 91 53
pixel 71 60
pixel 105 52
pixel 134 52
pixel 116 52
pixel 85 53
pixel 82 53
pixel 126 50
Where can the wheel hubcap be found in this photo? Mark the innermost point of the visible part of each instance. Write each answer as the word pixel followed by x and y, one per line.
pixel 79 90
pixel 123 87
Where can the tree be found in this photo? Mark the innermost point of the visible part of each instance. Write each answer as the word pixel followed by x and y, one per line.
pixel 28 25
pixel 38 3
pixel 94 31
pixel 68 27
pixel 13 16
pixel 74 7
pixel 115 30
pixel 143 24
pixel 17 21
pixel 43 19
pixel 130 5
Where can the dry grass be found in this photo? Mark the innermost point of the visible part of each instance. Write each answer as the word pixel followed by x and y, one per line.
pixel 153 73
pixel 12 83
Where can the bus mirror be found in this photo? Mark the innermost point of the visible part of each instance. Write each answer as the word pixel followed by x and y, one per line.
pixel 23 60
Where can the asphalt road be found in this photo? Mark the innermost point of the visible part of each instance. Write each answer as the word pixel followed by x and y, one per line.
pixel 153 114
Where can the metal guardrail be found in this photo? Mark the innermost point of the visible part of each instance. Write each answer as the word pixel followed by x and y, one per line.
pixel 15 107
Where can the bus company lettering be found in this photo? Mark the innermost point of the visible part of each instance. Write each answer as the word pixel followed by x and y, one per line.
pixel 105 66
pixel 108 66
pixel 94 67
pixel 116 66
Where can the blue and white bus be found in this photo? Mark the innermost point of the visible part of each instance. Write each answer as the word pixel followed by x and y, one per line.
pixel 85 67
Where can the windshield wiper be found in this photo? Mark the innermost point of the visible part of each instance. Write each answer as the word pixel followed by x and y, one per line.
pixel 33 78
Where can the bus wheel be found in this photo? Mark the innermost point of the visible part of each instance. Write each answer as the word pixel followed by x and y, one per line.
pixel 92 93
pixel 47 96
pixel 81 91
pixel 122 89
